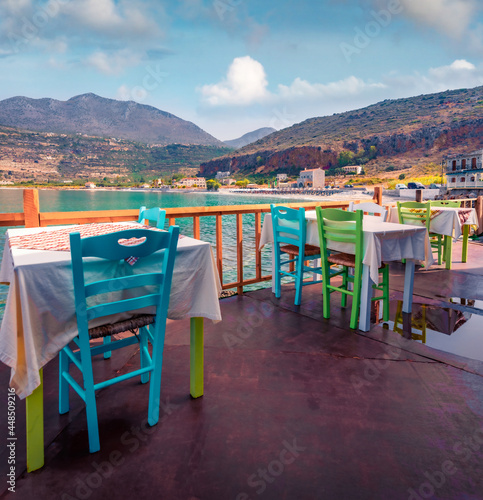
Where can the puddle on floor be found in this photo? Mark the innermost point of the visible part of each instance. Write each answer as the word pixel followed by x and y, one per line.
pixel 456 329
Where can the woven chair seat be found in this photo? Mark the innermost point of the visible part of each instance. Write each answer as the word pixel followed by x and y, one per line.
pixel 342 259
pixel 294 250
pixel 125 325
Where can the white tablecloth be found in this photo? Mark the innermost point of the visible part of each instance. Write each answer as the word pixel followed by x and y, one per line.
pixel 40 301
pixel 383 241
pixel 447 221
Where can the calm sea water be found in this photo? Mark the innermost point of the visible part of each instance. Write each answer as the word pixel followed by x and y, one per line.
pixel 11 200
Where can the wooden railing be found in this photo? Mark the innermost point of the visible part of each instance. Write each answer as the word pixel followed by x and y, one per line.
pixel 33 217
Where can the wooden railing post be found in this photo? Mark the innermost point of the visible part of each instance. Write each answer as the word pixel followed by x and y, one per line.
pixel 377 198
pixel 196 227
pixel 419 195
pixel 219 247
pixel 31 207
pixel 258 254
pixel 479 213
pixel 239 252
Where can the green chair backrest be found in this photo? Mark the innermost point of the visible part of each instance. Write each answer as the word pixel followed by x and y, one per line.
pixel 415 213
pixel 341 231
pixel 445 203
pixel 154 214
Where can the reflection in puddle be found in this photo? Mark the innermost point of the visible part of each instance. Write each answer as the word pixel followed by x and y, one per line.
pixel 457 329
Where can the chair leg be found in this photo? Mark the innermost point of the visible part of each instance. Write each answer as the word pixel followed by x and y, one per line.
pixel 356 299
pixel 143 344
pixel 278 290
pixel 299 277
pixel 326 296
pixel 155 384
pixel 439 251
pixel 385 293
pixel 90 396
pixel 107 340
pixel 345 281
pixel 63 384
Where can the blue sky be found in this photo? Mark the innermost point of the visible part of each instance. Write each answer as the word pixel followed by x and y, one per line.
pixel 232 66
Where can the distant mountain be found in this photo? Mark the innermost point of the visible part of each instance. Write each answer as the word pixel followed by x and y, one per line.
pixel 97 116
pixel 250 137
pixel 399 134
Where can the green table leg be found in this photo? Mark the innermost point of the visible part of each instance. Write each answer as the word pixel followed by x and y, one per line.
pixel 449 251
pixel 466 233
pixel 35 427
pixel 196 357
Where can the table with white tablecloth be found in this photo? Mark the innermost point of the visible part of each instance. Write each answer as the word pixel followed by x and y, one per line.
pixel 450 222
pixel 383 242
pixel 39 317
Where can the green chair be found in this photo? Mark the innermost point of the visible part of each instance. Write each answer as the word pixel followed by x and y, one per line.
pixel 289 237
pixel 445 203
pixel 341 234
pixel 419 214
pixel 121 292
pixel 155 214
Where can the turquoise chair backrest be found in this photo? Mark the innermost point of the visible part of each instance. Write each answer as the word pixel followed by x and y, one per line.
pixel 289 227
pixel 155 214
pixel 110 295
pixel 341 231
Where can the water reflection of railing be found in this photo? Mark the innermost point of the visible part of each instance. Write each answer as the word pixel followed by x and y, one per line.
pixel 33 217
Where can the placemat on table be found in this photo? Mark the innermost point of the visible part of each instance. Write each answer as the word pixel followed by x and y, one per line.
pixel 58 239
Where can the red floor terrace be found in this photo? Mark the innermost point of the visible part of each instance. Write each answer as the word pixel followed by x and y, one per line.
pixel 295 407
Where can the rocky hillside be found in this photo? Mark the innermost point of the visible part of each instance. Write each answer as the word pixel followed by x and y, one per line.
pixel 250 137
pixel 401 133
pixel 96 116
pixel 45 156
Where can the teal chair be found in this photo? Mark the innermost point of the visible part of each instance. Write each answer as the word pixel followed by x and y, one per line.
pixel 289 237
pixel 101 298
pixel 419 214
pixel 338 227
pixel 156 214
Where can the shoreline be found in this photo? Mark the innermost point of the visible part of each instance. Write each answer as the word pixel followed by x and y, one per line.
pixel 345 195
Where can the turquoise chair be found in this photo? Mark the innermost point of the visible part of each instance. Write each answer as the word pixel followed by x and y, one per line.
pixel 419 214
pixel 155 214
pixel 107 293
pixel 289 237
pixel 338 227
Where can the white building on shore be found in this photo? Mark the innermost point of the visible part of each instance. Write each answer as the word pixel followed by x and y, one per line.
pixel 465 171
pixel 311 178
pixel 357 169
pixel 192 182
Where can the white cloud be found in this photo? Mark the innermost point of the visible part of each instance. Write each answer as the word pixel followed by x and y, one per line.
pixel 458 74
pixel 451 17
pixel 111 18
pixel 342 88
pixel 113 63
pixel 245 83
pixel 460 67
